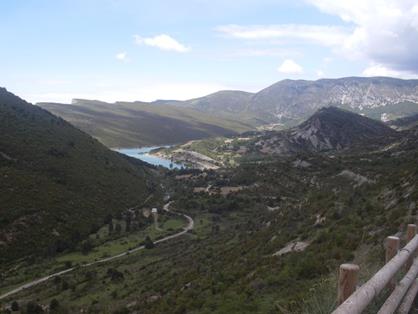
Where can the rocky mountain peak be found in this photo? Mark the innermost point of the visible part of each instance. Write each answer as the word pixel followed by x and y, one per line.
pixel 332 128
pixel 328 129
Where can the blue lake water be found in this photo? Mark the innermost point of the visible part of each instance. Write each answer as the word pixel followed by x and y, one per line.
pixel 142 153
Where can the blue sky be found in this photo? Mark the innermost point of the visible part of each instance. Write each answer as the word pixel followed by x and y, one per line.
pixel 56 50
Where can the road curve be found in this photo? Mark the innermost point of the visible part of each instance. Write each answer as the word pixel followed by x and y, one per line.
pixel 166 208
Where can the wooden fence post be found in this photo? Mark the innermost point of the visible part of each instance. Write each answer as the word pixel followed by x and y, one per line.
pixel 411 231
pixel 392 248
pixel 347 281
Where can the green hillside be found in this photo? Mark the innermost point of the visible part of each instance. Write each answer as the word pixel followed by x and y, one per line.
pixel 141 124
pixel 57 183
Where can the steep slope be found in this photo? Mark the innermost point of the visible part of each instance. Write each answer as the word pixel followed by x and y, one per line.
pixel 377 97
pixel 329 129
pixel 57 183
pixel 140 124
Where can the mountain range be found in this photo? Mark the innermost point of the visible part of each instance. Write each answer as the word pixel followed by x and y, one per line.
pixel 284 104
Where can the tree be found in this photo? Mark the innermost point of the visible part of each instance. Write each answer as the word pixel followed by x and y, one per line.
pixel 114 274
pixel 148 243
pixel 65 285
pixel 128 222
pixel 108 219
pixel 54 305
pixel 118 228
pixel 33 308
pixel 15 306
pixel 86 247
pixel 110 227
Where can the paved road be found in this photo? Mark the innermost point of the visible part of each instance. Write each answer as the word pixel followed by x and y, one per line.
pixel 166 207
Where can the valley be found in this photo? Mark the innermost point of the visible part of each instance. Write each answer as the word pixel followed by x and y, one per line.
pixel 209 157
pixel 264 214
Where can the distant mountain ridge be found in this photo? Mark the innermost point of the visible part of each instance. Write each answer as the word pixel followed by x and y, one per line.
pixel 294 99
pixel 283 104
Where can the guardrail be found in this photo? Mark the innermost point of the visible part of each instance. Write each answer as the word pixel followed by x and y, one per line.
pixel 355 301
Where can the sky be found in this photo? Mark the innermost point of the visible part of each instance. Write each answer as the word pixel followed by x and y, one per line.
pixel 126 50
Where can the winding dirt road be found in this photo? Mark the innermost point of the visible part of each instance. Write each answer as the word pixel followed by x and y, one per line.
pixel 166 208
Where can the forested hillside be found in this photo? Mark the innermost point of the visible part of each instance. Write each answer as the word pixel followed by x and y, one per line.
pixel 58 183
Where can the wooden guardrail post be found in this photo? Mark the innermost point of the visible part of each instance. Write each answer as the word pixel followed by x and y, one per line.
pixel 392 248
pixel 347 281
pixel 411 231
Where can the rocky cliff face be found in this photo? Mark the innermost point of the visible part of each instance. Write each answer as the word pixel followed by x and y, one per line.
pixel 294 100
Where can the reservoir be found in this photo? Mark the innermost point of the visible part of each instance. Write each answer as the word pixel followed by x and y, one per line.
pixel 143 154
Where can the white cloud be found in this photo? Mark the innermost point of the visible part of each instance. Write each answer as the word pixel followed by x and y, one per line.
pixel 385 31
pixel 381 70
pixel 380 32
pixel 320 34
pixel 122 56
pixel 163 42
pixel 290 67
pixel 320 73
